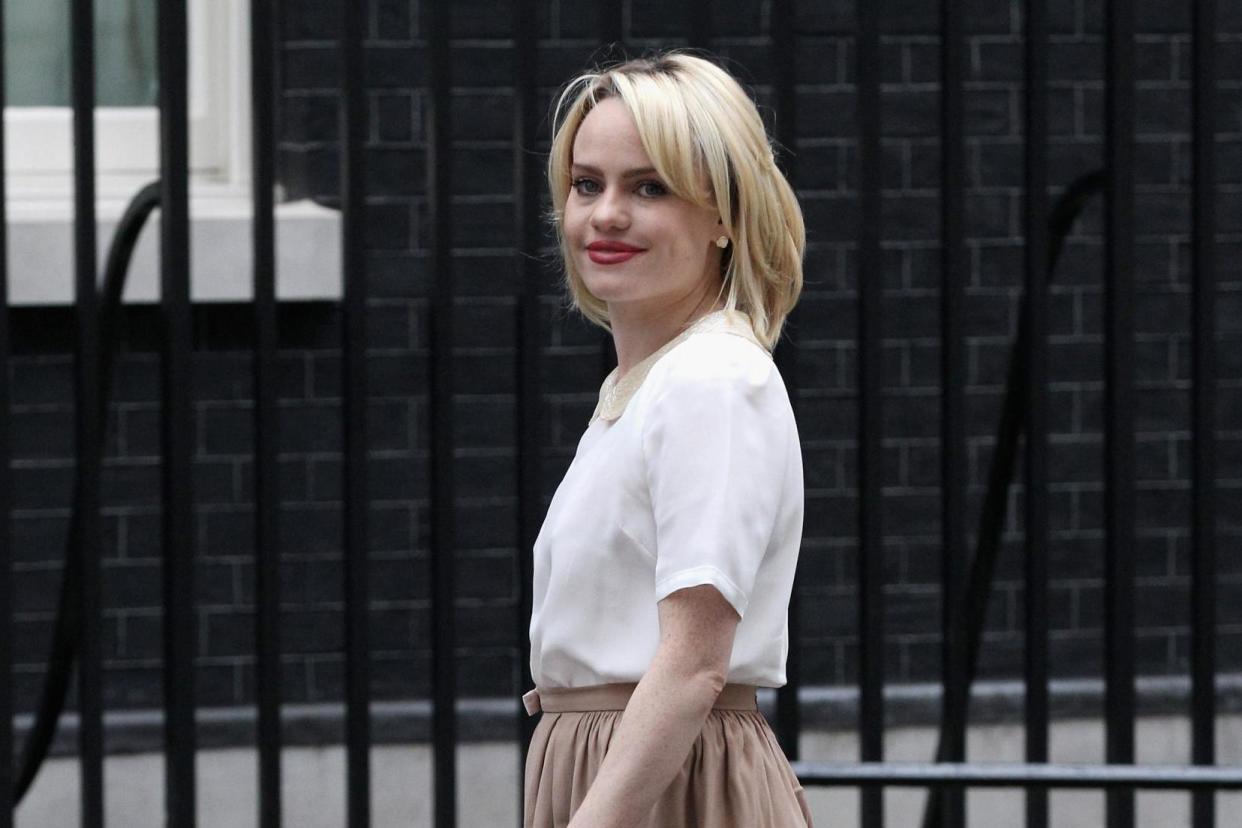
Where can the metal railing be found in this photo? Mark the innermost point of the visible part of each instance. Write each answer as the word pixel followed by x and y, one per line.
pixel 966 580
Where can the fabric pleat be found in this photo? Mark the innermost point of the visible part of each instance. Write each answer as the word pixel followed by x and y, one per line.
pixel 735 776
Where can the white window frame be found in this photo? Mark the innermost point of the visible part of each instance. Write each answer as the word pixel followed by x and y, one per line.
pixel 39 139
pixel 38 186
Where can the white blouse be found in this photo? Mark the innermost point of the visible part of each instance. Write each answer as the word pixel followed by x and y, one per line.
pixel 690 472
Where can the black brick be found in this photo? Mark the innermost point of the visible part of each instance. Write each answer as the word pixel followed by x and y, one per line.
pixel 312 631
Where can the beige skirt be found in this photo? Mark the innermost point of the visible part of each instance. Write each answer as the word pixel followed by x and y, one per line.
pixel 735 776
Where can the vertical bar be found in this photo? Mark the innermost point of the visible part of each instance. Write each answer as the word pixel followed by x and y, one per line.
pixel 7 775
pixel 783 42
pixel 612 24
pixel 612 38
pixel 1118 404
pixel 353 263
pixel 1203 406
pixel 699 25
pixel 86 414
pixel 266 502
pixel 177 424
pixel 440 397
pixel 953 276
pixel 526 192
pixel 870 384
pixel 1035 667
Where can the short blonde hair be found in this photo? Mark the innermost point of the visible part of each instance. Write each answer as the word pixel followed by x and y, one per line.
pixel 707 142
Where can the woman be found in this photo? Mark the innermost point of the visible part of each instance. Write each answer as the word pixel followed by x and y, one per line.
pixel 664 566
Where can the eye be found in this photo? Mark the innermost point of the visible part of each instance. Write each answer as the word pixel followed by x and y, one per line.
pixel 652 189
pixel 580 183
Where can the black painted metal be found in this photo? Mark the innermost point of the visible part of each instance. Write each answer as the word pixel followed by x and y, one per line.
pixel 870 414
pixel 1006 775
pixel 177 420
pixel 871 607
pixel 353 121
pixel 440 396
pixel 1203 402
pixel 66 628
pixel 6 489
pixel 526 193
pixel 963 619
pixel 699 25
pixel 992 517
pixel 266 501
pixel 1024 405
pixel 953 274
pixel 788 716
pixel 1119 402
pixel 612 25
pixel 612 49
pixel 1035 514
pixel 87 431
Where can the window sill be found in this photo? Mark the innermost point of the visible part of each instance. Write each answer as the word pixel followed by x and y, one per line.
pixel 41 250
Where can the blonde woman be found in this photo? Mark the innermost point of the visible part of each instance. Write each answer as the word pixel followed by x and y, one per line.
pixel 664 566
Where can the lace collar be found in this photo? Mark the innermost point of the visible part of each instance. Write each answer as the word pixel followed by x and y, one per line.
pixel 616 392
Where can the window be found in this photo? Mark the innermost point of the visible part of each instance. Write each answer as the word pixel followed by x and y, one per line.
pixel 38 122
pixel 38 117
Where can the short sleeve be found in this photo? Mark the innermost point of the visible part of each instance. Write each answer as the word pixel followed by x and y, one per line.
pixel 714 442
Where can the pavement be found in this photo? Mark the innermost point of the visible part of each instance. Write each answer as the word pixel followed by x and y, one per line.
pixel 488 778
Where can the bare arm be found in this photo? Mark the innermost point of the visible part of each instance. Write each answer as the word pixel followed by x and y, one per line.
pixel 667 710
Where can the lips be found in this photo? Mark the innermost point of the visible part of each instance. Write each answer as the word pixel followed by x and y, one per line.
pixel 611 252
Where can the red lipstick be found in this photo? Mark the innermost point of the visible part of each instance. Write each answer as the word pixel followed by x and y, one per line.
pixel 611 252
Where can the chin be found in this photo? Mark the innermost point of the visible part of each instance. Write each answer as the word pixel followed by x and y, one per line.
pixel 606 289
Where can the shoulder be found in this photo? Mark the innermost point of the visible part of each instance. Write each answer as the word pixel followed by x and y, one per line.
pixel 715 356
pixel 711 373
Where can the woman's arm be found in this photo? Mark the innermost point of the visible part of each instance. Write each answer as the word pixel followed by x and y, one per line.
pixel 666 712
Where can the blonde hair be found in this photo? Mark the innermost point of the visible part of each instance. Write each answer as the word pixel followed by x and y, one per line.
pixel 706 140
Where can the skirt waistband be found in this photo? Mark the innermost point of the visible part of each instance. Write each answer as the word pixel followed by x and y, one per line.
pixel 616 696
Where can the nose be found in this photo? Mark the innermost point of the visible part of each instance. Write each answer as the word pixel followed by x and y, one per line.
pixel 610 210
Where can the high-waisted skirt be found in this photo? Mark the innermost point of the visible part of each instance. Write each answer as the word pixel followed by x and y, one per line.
pixel 735 776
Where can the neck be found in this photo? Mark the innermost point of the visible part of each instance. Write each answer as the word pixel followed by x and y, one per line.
pixel 638 333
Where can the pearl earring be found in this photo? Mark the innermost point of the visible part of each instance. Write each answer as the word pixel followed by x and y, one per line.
pixel 722 242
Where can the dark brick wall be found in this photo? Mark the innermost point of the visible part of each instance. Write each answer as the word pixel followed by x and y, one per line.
pixel 822 380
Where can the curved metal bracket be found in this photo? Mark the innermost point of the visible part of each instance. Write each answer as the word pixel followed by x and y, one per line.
pixel 1069 205
pixel 67 632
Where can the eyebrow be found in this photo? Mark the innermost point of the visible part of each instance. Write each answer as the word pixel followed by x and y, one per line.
pixel 627 174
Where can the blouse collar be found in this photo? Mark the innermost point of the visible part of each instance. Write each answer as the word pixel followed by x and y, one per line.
pixel 615 393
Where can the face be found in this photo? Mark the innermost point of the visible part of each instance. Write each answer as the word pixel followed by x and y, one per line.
pixel 635 243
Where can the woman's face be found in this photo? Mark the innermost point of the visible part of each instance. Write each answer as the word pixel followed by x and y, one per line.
pixel 633 241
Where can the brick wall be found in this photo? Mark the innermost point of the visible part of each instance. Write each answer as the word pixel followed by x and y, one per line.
pixel 821 380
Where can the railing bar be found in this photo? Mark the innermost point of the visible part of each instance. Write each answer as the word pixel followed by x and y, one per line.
pixel 785 132
pixel 1118 403
pixel 612 23
pixel 266 500
pixel 177 423
pixel 1000 472
pixel 1035 516
pixel 699 25
pixel 526 193
pixel 989 774
pixel 7 766
pixel 353 122
pixel 612 40
pixel 440 396
pixel 954 272
pixel 870 384
pixel 87 426
pixel 1203 405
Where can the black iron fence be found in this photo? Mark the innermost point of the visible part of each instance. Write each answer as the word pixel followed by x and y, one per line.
pixel 967 574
